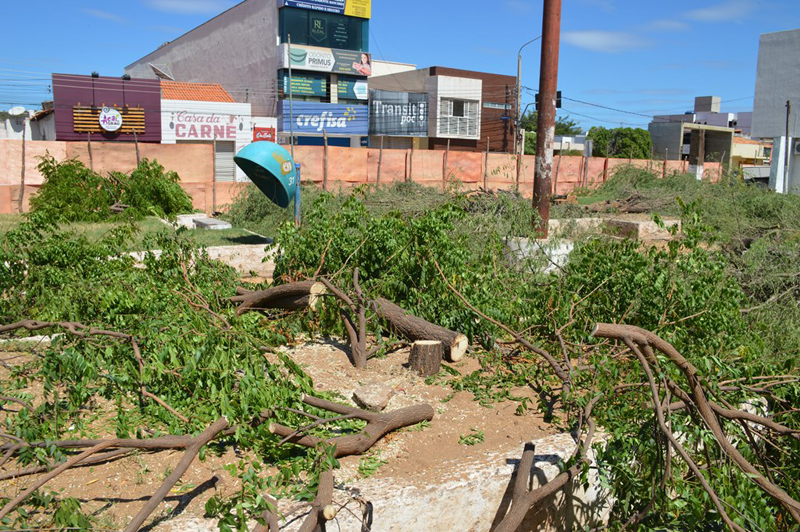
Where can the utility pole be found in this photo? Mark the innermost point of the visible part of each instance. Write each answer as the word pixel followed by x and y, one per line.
pixel 545 130
pixel 788 148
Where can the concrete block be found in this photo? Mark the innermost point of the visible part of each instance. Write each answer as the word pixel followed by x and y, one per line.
pixel 212 224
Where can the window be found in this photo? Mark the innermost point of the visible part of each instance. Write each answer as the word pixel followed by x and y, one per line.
pixel 329 30
pixel 459 118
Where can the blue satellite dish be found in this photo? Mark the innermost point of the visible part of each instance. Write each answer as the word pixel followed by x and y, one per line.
pixel 271 168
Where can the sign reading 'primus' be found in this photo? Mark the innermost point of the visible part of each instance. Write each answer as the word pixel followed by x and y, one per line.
pixel 398 114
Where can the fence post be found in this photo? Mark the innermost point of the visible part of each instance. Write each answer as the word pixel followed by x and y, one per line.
pixel 444 166
pixel 136 142
pixel 89 148
pixel 380 161
pixel 558 167
pixel 325 160
pixel 605 170
pixel 214 179
pixel 411 164
pixel 486 165
pixel 22 179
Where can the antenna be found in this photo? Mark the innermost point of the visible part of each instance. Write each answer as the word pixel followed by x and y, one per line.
pixel 162 71
pixel 17 111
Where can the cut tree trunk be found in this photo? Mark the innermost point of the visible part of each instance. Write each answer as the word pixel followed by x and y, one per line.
pixel 426 357
pixel 454 343
pixel 292 296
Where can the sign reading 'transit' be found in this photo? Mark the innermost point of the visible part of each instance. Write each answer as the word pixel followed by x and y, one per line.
pixel 398 114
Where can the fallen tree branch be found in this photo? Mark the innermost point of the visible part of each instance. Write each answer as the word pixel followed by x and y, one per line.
pixel 647 341
pixel 378 425
pixel 96 459
pixel 191 452
pixel 82 331
pixel 291 296
pixel 356 330
pixel 322 509
pixel 405 324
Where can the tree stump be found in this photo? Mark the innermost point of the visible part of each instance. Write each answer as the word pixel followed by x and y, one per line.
pixel 426 357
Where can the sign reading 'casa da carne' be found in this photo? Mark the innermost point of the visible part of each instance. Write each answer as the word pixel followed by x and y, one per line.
pixel 309 117
pixel 205 126
pixel 110 119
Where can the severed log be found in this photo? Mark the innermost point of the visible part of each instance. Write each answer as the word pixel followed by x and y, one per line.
pixel 402 322
pixel 378 425
pixel 292 296
pixel 322 509
pixel 426 357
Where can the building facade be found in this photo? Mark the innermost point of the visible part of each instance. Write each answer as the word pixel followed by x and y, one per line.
pixel 777 82
pixel 466 110
pixel 250 48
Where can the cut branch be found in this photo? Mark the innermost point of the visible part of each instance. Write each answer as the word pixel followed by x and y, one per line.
pixel 291 296
pixel 378 425
pixel 321 508
pixel 409 326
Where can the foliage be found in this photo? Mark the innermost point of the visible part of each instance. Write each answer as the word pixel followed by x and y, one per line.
pixel 73 193
pixel 621 142
pixel 564 124
pixel 369 465
pixel 473 438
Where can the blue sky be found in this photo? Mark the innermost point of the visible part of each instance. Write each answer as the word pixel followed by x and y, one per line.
pixel 641 56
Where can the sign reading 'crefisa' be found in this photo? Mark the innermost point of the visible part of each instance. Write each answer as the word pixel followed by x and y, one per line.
pixel 310 117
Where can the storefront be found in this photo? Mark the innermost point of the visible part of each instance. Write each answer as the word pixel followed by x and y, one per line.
pixel 106 109
pixel 210 117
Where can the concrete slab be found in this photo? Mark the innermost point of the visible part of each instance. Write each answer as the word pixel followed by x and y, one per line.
pixel 641 230
pixel 212 224
pixel 467 496
pixel 552 252
pixel 251 259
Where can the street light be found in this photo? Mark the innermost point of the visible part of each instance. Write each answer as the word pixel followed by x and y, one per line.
pixel 519 90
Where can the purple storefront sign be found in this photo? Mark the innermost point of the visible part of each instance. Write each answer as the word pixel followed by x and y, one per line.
pixel 73 91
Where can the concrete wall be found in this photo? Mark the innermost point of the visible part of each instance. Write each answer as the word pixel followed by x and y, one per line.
pixel 347 167
pixel 777 80
pixel 237 49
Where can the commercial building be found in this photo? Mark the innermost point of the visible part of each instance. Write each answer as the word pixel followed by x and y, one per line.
pixel 101 108
pixel 466 110
pixel 671 141
pixel 247 50
pixel 708 111
pixel 777 82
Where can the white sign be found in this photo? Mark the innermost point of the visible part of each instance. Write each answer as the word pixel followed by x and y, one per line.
pixel 110 119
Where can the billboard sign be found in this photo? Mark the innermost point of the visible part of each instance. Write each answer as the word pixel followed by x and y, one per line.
pixel 327 60
pixel 353 88
pixel 398 114
pixel 351 8
pixel 304 84
pixel 334 119
pixel 110 119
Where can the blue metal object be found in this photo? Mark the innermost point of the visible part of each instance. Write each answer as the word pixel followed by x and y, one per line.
pixel 272 169
pixel 297 216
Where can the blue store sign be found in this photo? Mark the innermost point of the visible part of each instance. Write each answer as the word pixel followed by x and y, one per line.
pixel 311 117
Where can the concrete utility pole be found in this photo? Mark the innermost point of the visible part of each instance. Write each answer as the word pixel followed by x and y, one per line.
pixel 545 131
pixel 519 143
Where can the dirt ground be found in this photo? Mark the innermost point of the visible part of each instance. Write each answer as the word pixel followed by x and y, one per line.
pixel 115 491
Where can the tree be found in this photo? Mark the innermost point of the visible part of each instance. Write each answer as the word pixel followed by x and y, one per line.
pixel 529 122
pixel 620 142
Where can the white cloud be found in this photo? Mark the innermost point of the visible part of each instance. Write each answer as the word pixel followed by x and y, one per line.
pixel 190 6
pixel 604 41
pixel 666 25
pixel 727 11
pixel 96 13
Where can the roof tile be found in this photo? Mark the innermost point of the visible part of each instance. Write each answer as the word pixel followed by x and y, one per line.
pixel 201 92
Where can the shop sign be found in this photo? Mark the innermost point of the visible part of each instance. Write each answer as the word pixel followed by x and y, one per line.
pixel 398 114
pixel 353 88
pixel 351 8
pixel 110 119
pixel 311 117
pixel 328 60
pixel 305 84
pixel 199 126
pixel 264 133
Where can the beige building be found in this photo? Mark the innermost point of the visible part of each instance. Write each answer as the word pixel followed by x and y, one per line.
pixel 747 152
